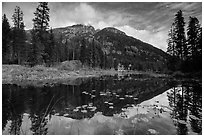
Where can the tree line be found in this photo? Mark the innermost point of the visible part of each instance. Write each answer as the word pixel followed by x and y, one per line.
pixel 40 46
pixel 185 47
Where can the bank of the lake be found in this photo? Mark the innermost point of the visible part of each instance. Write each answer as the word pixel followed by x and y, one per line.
pixel 40 75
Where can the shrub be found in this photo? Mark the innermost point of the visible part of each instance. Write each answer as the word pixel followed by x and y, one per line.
pixel 178 74
pixel 70 65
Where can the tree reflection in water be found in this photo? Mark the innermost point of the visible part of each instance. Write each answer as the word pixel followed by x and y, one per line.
pixel 41 103
pixel 186 102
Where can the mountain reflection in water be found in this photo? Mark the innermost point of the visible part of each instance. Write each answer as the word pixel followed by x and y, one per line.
pixel 105 105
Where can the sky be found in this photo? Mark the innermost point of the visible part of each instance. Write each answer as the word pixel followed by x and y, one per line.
pixel 147 21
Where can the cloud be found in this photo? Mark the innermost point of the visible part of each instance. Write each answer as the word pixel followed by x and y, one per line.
pixel 157 39
pixel 148 21
pixel 84 13
pixel 78 13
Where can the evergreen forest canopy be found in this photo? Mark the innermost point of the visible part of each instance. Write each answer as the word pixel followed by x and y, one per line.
pixel 185 50
pixel 104 48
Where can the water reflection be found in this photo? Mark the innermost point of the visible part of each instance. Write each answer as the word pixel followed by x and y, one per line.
pixel 106 105
pixel 186 102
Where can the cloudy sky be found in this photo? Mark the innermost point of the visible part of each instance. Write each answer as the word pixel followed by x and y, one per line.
pixel 148 22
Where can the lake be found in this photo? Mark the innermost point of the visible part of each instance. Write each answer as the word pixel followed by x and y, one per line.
pixel 134 104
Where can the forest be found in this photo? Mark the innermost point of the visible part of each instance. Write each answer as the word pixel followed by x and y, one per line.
pixel 42 47
pixel 185 47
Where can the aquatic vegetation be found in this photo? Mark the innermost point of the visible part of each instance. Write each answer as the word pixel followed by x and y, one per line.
pixel 137 112
pixel 78 107
pixel 182 121
pixel 75 110
pixel 93 109
pixel 111 107
pixel 66 115
pixel 83 106
pixel 136 120
pixel 194 117
pixel 152 131
pixel 119 132
pixel 110 103
pixel 93 96
pixel 144 119
pixel 84 111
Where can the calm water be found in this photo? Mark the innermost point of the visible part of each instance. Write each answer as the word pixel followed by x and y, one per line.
pixel 106 105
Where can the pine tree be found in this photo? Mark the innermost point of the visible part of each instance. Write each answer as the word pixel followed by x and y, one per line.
pixel 73 51
pixel 66 50
pixel 35 50
pixel 18 35
pixel 41 24
pixel 42 18
pixel 17 17
pixel 59 48
pixel 172 61
pixel 193 35
pixel 82 51
pixel 93 54
pixel 50 53
pixel 179 34
pixel 171 42
pixel 199 42
pixel 22 44
pixel 5 39
pixel 194 40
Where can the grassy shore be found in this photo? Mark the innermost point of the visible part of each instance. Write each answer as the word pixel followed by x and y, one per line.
pixel 40 75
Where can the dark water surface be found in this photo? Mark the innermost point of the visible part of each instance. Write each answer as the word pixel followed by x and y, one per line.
pixel 105 105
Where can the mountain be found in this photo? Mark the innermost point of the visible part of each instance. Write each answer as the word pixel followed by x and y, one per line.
pixel 110 47
pixel 71 32
pixel 129 50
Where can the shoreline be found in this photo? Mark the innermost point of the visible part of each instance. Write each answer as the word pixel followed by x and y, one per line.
pixel 40 75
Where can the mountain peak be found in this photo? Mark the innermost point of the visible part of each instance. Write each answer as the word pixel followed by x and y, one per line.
pixel 114 30
pixel 76 30
pixel 81 26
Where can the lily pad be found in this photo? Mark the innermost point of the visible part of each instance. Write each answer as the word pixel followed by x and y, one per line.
pixel 84 111
pixel 110 103
pixel 75 110
pixel 65 115
pixel 93 96
pixel 56 114
pixel 194 117
pixel 111 107
pixel 182 122
pixel 84 106
pixel 119 132
pixel 152 131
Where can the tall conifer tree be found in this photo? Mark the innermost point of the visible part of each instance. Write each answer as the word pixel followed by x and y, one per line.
pixel 18 35
pixel 5 39
pixel 194 40
pixel 179 34
pixel 40 33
